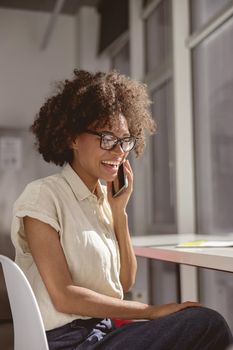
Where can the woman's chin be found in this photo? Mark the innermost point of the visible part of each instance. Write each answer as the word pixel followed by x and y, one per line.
pixel 108 178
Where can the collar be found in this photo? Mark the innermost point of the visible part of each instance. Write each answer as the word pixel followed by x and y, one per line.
pixel 78 187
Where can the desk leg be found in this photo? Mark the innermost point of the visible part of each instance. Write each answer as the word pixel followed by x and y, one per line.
pixel 189 283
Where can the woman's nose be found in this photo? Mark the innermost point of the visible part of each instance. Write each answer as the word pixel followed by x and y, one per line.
pixel 118 149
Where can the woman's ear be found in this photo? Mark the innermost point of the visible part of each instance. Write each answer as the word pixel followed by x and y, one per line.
pixel 74 143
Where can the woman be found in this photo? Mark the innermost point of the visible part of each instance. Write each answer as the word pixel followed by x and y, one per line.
pixel 71 235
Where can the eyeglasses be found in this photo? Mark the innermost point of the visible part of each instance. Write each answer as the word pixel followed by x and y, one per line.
pixel 109 141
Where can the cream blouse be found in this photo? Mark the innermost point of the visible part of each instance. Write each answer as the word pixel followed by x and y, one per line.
pixel 84 224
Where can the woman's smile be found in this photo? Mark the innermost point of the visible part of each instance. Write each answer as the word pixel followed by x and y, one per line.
pixel 111 166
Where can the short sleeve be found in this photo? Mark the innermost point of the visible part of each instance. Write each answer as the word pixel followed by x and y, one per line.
pixel 39 202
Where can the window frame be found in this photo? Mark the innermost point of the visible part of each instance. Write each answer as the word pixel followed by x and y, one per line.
pixel 155 80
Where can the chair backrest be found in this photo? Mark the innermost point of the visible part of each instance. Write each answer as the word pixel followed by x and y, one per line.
pixel 29 332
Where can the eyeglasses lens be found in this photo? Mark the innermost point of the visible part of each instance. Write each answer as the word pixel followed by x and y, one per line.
pixel 127 145
pixel 109 142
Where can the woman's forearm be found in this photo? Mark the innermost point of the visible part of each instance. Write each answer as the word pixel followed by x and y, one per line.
pixel 85 302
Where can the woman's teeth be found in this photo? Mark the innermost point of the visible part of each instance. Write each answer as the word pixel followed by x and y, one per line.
pixel 111 163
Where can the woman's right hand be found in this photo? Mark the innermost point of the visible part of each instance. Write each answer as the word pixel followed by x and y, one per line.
pixel 167 309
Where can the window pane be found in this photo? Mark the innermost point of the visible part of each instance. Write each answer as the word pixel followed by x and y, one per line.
pixel 162 158
pixel 120 61
pixel 203 10
pixel 213 112
pixel 158 38
pixel 145 3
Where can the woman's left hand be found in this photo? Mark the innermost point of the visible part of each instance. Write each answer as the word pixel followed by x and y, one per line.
pixel 119 203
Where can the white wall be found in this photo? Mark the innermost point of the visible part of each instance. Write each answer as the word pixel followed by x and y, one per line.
pixel 27 76
pixel 27 72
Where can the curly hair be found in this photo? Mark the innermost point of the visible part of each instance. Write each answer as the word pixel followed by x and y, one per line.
pixel 90 100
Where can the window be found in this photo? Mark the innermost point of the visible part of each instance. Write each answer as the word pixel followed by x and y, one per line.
pixel 158 73
pixel 158 76
pixel 162 166
pixel 213 109
pixel 120 59
pixel 205 10
pixel 213 123
pixel 158 36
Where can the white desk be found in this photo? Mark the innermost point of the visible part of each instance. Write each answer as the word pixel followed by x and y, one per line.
pixel 162 247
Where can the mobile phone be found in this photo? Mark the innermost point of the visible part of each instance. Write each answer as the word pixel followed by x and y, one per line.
pixel 120 183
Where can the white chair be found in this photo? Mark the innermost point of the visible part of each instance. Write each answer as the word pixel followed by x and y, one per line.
pixel 29 332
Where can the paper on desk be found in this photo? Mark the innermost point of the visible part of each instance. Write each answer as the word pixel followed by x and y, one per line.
pixel 206 244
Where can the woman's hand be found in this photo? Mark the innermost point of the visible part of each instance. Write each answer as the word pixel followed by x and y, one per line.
pixel 167 309
pixel 118 204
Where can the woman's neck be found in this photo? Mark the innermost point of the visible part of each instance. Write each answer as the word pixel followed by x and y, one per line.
pixel 87 179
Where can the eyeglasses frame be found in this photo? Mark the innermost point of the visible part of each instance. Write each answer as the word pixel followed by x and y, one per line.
pixel 118 139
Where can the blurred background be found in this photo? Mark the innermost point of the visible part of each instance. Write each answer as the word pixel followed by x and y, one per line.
pixel 182 49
